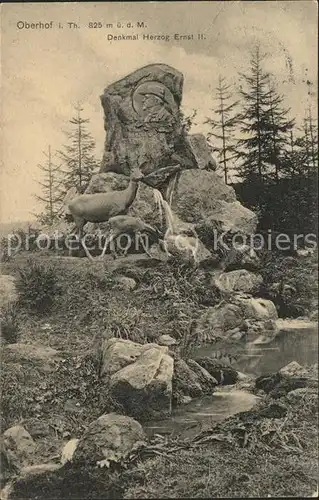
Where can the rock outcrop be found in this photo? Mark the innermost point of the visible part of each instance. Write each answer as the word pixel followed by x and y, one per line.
pixel 144 129
pixel 19 446
pixel 289 378
pixel 239 280
pixel 83 471
pixel 166 340
pixel 241 257
pixel 218 320
pixel 202 195
pixel 118 353
pixel 191 380
pixel 43 357
pixel 147 379
pixel 203 156
pixel 199 198
pixel 222 373
pixel 257 308
pixel 242 313
pixel 110 438
pixel 143 123
pixel 140 377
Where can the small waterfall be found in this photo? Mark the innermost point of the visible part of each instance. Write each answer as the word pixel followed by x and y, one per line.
pixel 171 188
pixel 158 200
pixel 163 206
pixel 174 235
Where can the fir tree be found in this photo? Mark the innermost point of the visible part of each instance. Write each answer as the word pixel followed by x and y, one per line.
pixel 312 136
pixel 253 147
pixel 279 127
pixel 51 189
pixel 306 146
pixel 223 127
pixel 78 155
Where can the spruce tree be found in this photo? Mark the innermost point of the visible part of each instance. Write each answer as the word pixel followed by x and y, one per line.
pixel 77 155
pixel 223 127
pixel 311 125
pixel 279 127
pixel 306 146
pixel 253 147
pixel 51 197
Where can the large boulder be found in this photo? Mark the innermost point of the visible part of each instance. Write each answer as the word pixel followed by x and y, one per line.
pixel 201 151
pixel 202 195
pixel 37 353
pixel 18 445
pixel 188 248
pixel 140 377
pixel 110 438
pixel 191 380
pixel 289 378
pixel 167 340
pixel 240 280
pixel 216 321
pixel 185 381
pixel 143 123
pixel 234 217
pixel 106 182
pixel 257 308
pixel 293 369
pixel 118 353
pixel 241 257
pixel 206 379
pixel 221 372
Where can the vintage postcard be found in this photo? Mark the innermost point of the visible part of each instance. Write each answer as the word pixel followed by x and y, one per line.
pixel 158 240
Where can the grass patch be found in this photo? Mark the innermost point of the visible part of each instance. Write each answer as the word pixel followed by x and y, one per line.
pixel 37 285
pixel 9 325
pixel 248 455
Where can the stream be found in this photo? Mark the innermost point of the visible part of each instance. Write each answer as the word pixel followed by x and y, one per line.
pixel 296 340
pixel 194 417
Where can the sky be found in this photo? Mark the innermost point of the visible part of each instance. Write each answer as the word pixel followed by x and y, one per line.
pixel 45 72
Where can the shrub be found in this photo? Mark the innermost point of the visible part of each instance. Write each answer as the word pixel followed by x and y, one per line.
pixel 37 285
pixel 177 280
pixel 9 325
pixel 21 239
pixel 291 283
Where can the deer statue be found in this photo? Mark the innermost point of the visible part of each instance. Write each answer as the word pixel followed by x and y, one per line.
pixel 124 224
pixel 100 207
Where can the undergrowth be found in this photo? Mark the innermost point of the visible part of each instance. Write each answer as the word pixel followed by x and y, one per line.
pixel 167 298
pixel 68 394
pixel 290 282
pixel 37 285
pixel 9 325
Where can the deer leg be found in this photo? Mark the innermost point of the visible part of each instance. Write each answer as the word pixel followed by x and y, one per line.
pixel 113 245
pixel 87 253
pixel 78 230
pixel 79 224
pixel 165 246
pixel 139 236
pixel 112 236
pixel 82 239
